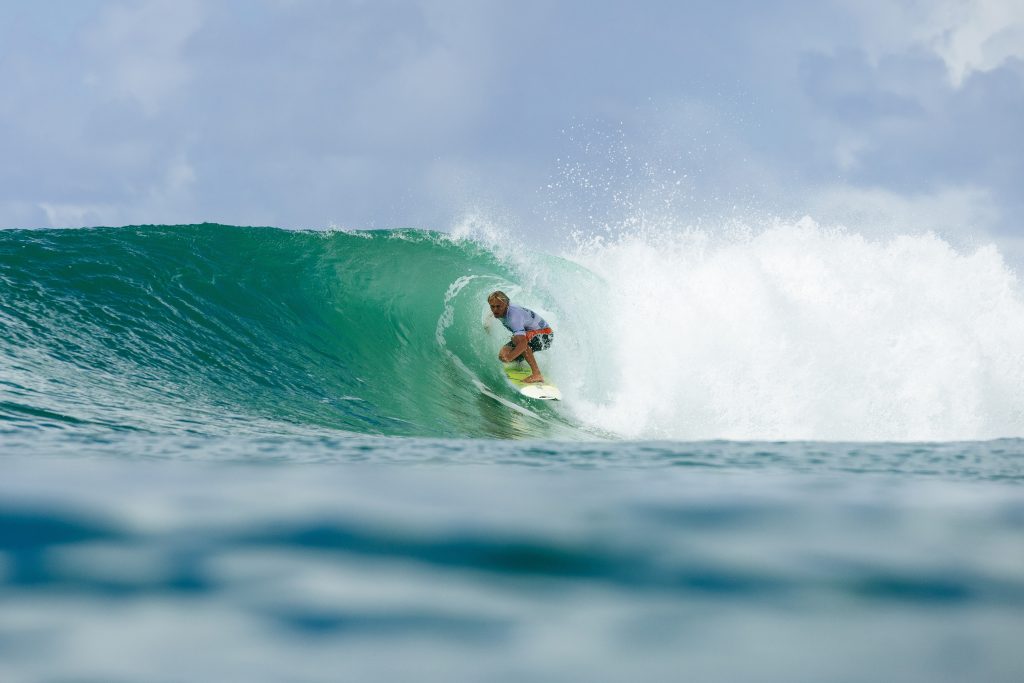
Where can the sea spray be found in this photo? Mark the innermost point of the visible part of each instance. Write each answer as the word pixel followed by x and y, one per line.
pixel 802 332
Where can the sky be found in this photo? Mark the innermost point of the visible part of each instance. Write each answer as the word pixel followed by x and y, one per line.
pixel 881 115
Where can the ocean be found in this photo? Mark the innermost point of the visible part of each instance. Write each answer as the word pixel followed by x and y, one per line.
pixel 254 454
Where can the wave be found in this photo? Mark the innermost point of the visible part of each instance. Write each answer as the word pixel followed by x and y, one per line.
pixel 793 332
pixel 212 328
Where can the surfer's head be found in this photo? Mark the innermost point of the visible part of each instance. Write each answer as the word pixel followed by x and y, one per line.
pixel 498 301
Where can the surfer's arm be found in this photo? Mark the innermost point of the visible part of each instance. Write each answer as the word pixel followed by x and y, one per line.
pixel 520 348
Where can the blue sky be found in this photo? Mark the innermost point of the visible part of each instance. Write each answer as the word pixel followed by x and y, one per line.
pixel 885 116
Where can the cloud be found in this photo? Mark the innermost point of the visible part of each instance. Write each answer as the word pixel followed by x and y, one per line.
pixel 62 215
pixel 137 50
pixel 974 36
pixel 301 114
pixel 169 196
pixel 21 214
pixel 969 36
pixel 898 123
pixel 876 210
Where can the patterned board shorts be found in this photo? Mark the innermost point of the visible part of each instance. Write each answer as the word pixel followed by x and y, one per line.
pixel 538 342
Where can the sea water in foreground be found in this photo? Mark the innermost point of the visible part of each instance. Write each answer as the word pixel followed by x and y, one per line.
pixel 444 560
pixel 240 454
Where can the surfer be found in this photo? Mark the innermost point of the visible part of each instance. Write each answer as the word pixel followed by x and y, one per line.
pixel 529 333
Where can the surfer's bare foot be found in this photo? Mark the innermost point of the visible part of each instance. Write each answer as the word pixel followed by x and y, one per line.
pixel 533 379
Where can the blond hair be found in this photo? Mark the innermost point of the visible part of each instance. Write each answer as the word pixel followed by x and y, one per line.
pixel 499 295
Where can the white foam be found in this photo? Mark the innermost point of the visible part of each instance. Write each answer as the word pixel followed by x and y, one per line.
pixel 795 332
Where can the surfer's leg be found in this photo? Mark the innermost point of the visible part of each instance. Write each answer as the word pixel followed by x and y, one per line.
pixel 535 375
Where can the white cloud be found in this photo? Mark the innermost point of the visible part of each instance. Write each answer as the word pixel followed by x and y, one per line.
pixel 170 198
pixel 974 36
pixel 139 47
pixel 20 214
pixel 871 209
pixel 968 35
pixel 74 215
pixel 965 217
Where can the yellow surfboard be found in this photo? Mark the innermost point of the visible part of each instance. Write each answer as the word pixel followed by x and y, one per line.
pixel 545 391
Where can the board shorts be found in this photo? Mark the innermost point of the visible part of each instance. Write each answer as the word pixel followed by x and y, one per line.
pixel 537 340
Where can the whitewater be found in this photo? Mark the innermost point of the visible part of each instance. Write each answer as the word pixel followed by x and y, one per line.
pixel 786 452
pixel 800 333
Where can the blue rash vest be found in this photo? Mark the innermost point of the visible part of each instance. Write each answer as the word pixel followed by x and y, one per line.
pixel 518 320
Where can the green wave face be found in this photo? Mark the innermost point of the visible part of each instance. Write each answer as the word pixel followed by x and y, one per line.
pixel 216 329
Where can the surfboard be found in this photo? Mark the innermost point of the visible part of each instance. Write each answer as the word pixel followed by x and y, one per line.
pixel 517 372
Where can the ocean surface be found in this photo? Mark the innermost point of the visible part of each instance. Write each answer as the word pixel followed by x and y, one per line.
pixel 252 454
